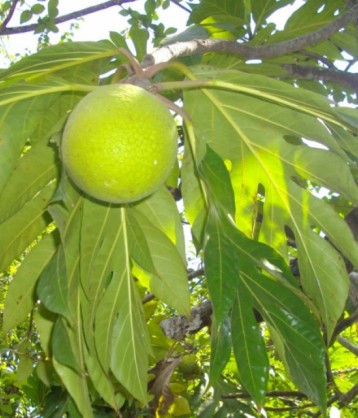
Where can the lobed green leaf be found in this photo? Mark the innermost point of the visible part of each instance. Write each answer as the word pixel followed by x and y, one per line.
pixel 271 167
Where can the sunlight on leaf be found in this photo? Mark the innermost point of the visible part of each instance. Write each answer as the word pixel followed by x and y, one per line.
pixel 253 134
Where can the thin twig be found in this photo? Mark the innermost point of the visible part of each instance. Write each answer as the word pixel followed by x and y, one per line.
pixel 9 15
pixel 290 408
pixel 345 399
pixel 274 394
pixel 353 348
pixel 318 57
pixel 324 74
pixel 345 323
pixel 176 2
pixel 147 298
pixel 196 273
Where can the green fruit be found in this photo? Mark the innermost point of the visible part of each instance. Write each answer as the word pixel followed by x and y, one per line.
pixel 119 143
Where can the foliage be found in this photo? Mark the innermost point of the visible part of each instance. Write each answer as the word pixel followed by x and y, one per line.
pixel 187 303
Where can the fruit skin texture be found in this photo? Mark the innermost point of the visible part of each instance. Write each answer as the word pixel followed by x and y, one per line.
pixel 119 143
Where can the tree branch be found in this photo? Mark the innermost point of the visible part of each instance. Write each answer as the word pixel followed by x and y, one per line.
pixel 345 323
pixel 323 74
pixel 177 3
pixel 274 394
pixel 61 19
pixel 9 15
pixel 201 46
pixel 318 57
pixel 345 399
pixel 348 345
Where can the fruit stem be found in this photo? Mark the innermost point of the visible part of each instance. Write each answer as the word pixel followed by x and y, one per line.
pixel 132 69
pixel 134 64
pixel 172 106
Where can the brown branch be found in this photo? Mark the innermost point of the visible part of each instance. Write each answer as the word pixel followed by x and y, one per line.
pixel 9 15
pixel 61 19
pixel 285 396
pixel 176 2
pixel 353 348
pixel 291 408
pixel 179 326
pixel 201 46
pixel 323 74
pixel 318 57
pixel 345 323
pixel 345 399
pixel 274 394
pixel 195 273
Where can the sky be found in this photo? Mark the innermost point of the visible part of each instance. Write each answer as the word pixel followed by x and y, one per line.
pixel 93 27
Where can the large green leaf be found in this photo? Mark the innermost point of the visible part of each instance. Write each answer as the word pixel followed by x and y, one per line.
pixel 222 267
pixel 104 386
pixel 16 95
pixel 223 262
pixel 121 335
pixel 220 348
pixel 168 280
pixel 75 384
pixel 299 340
pixel 194 203
pixel 16 131
pixel 32 86
pixel 55 288
pixel 249 347
pixel 271 166
pixel 21 230
pixel 215 8
pixel 58 285
pixel 105 311
pixel 161 210
pixel 107 282
pixel 45 321
pixel 139 249
pixel 262 9
pixel 231 260
pixel 20 298
pixel 100 231
pixel 74 61
pixel 34 170
pixel 63 347
pixel 42 110
pixel 130 343
pixel 68 344
pixel 309 18
pixel 256 92
pixel 215 174
pixel 222 210
pixel 347 39
pixel 295 333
